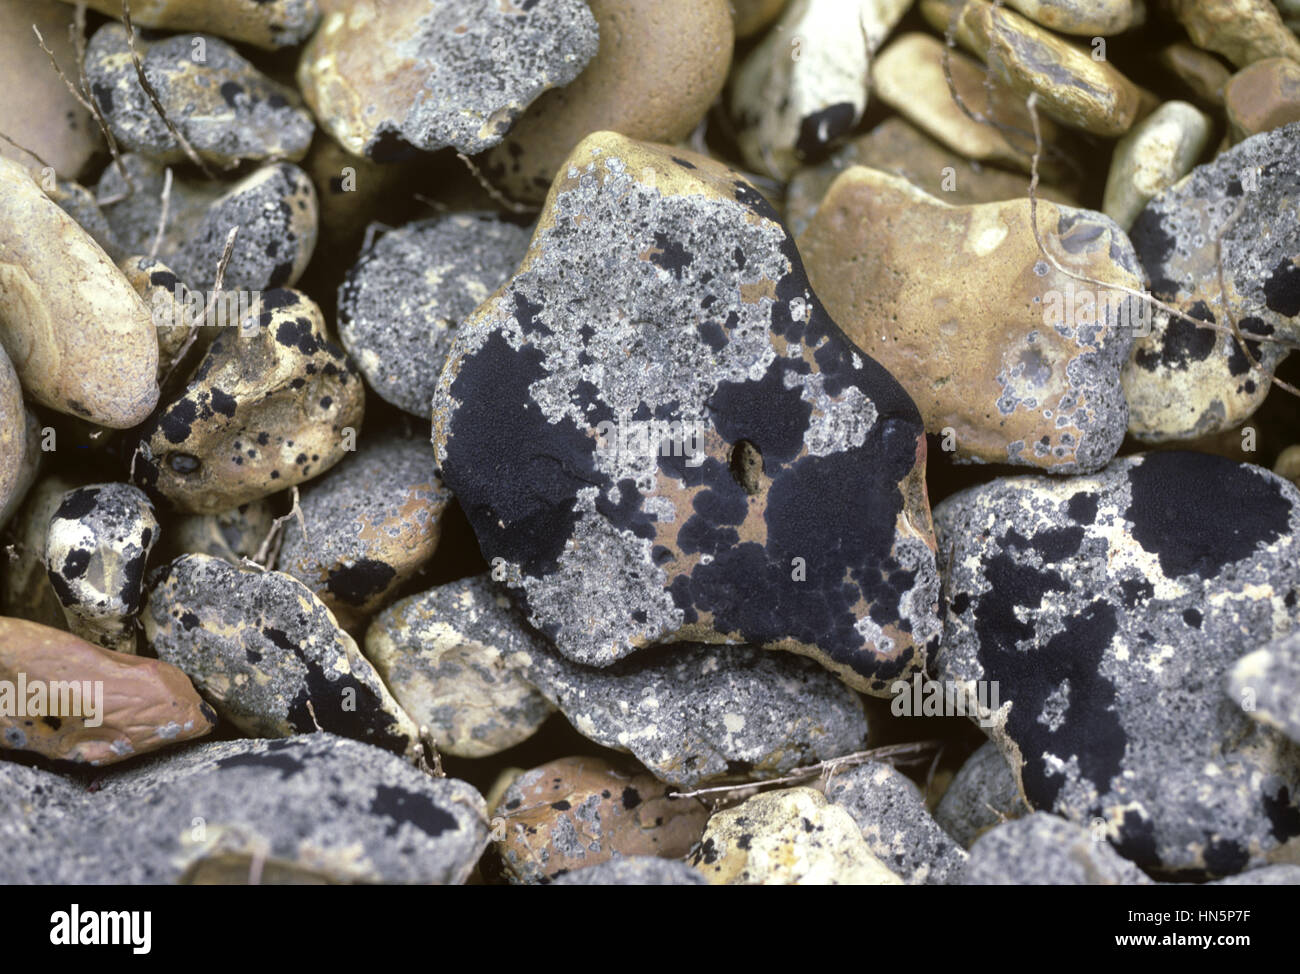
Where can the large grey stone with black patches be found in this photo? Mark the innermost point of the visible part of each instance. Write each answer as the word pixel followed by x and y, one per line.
pixel 983 793
pixel 1283 875
pixel 1183 381
pixel 890 810
pixel 403 300
pixel 225 108
pixel 1046 850
pixel 268 655
pixel 1266 685
pixel 634 871
pixel 695 714
pixel 96 548
pixel 1108 609
pixel 310 809
pixel 786 509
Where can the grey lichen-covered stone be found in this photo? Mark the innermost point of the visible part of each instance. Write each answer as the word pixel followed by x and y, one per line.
pixel 983 793
pixel 266 24
pixel 695 715
pixel 1283 875
pixel 132 212
pixel 900 832
pixel 403 300
pixel 1184 381
pixel 659 435
pixel 1156 153
pixel 224 107
pixel 310 809
pixel 1045 850
pixel 1265 684
pixel 269 656
pixel 453 657
pixel 1108 610
pixel 634 871
pixel 453 73
pixel 96 548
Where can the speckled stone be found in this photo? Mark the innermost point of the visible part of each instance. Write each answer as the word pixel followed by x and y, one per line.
pixel 96 547
pixel 78 335
pixel 454 73
pixel 793 515
pixel 574 813
pixel 1243 31
pixel 452 658
pixel 25 589
pixel 660 66
pixel 989 339
pixel 752 16
pixel 1044 850
pixel 1262 96
pixel 1266 685
pixel 1109 610
pixel 1089 18
pixel 372 523
pixel 268 655
pixel 223 106
pixel 95 706
pixel 1156 153
pixel 231 535
pixel 171 304
pixel 1202 73
pixel 263 23
pixel 890 810
pixel 983 793
pixel 268 407
pixel 634 871
pixel 1184 381
pixel 309 810
pixel 403 300
pixel 804 86
pixel 1284 875
pixel 696 715
pixel 13 431
pixel 132 215
pixel 791 837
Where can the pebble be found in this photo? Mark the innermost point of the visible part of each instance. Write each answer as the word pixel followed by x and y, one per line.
pixel 635 871
pixel 1266 685
pixel 983 793
pixel 1089 18
pixel 13 433
pixel 792 516
pixel 171 304
pixel 82 205
pixel 25 465
pixel 267 24
pixel 79 337
pixel 455 73
pixel 1288 464
pixel 224 107
pixel 403 300
pixel 1031 377
pixel 791 837
pixel 87 704
pixel 132 215
pixel 1156 153
pixel 890 810
pixel 1107 610
pixel 577 812
pixel 307 810
pixel 25 589
pixel 1044 850
pixel 269 406
pixel 753 16
pixel 1183 381
pixel 697 715
pixel 268 655
pixel 96 547
pixel 1262 96
pixel 371 523
pixel 452 657
pixel 1243 31
pixel 231 535
pixel 659 68
pixel 804 86
pixel 1199 70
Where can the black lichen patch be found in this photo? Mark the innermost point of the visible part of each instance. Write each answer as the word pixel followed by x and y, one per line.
pixel 356 582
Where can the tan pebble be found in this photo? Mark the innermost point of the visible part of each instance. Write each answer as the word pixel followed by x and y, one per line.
pixel 28 466
pixel 1160 150
pixel 267 24
pixel 170 304
pixel 1265 95
pixel 1199 70
pixel 1086 17
pixel 751 16
pixel 1243 31
pixel 13 432
pixel 1288 464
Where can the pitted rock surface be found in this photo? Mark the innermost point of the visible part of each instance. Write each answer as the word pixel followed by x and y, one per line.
pixel 634 871
pixel 1045 850
pixel 983 793
pixel 793 514
pixel 1266 685
pixel 1109 610
pixel 263 23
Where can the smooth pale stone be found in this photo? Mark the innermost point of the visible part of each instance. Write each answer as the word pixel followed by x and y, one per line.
pixel 80 338
pixel 1199 70
pixel 27 464
pixel 1265 95
pixel 1243 31
pixel 267 24
pixel 1159 151
pixel 13 432
pixel 1087 17
pixel 1288 464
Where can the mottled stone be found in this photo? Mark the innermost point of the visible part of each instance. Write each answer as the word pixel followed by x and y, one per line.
pixel 791 837
pixel 635 871
pixel 786 507
pixel 1265 684
pixel 1199 70
pixel 176 310
pixel 1262 96
pixel 13 432
pixel 25 589
pixel 96 548
pixel 78 335
pixel 310 810
pixel 752 16
pixel 269 656
pixel 1156 153
pixel 453 657
pixel 263 23
pixel 1086 17
pixel 269 406
pixel 983 793
pixel 224 107
pixel 1284 875
pixel 454 73
pixel 1184 381
pixel 1108 611
pixel 1243 31
pixel 1044 850
pixel 574 813
pixel 231 535
pixel 403 300
pixel 659 68
pixel 65 698
pixel 1015 358
pixel 134 211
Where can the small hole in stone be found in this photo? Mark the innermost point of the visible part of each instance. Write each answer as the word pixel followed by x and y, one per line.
pixel 746 465
pixel 183 462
